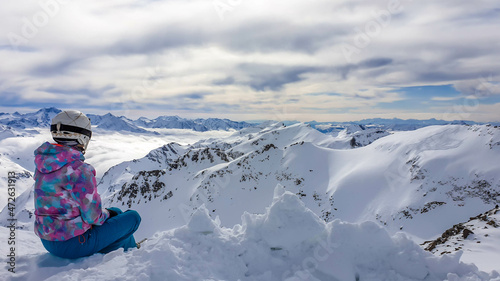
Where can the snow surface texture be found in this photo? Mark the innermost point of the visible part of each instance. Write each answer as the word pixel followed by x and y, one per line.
pixel 288 242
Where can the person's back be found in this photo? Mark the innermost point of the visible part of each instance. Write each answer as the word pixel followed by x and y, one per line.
pixel 69 218
pixel 67 203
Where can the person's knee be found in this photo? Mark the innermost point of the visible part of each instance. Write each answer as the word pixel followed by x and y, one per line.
pixel 135 216
pixel 117 210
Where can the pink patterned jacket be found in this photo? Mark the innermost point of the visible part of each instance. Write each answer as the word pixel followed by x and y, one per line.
pixel 66 200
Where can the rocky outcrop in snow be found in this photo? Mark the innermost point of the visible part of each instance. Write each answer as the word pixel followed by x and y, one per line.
pixel 462 236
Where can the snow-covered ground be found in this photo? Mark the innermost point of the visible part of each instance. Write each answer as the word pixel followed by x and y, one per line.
pixel 276 202
pixel 287 242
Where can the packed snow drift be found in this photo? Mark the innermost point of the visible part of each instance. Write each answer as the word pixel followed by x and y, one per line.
pixel 287 242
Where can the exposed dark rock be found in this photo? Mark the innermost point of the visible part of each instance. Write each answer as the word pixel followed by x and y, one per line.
pixel 466 233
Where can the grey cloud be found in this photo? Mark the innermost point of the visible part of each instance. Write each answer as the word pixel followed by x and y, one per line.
pixel 482 87
pixel 292 101
pixel 255 36
pixel 424 76
pixel 375 62
pixel 222 82
pixel 193 96
pixel 358 96
pixel 270 36
pixel 264 77
pixel 196 106
pixel 11 97
pixel 90 92
pixel 273 77
pixel 166 37
pixel 56 67
pixel 372 63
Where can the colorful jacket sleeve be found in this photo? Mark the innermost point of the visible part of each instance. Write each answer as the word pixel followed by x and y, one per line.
pixel 85 194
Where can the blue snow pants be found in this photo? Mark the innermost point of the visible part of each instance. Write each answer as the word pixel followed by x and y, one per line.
pixel 116 232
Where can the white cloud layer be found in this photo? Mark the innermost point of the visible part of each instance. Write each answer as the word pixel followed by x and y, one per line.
pixel 247 59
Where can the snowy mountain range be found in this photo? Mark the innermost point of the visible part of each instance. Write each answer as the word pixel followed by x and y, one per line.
pixel 394 124
pixel 287 202
pixel 43 117
pixel 144 125
pixel 420 176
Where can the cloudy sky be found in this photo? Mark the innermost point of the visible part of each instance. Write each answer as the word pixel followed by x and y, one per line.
pixel 324 60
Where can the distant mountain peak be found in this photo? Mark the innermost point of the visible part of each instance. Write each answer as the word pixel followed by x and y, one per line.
pixel 49 110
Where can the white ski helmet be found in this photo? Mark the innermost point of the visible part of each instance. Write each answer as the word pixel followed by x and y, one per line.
pixel 71 127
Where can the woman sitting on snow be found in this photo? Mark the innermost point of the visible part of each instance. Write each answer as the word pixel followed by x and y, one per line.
pixel 69 218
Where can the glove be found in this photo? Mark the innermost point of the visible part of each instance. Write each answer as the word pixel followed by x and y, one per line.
pixel 112 212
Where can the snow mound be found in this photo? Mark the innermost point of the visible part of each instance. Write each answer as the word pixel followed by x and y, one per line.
pixel 287 242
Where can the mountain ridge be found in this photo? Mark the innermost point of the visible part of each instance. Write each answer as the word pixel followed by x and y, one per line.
pixel 42 118
pixel 110 122
pixel 325 177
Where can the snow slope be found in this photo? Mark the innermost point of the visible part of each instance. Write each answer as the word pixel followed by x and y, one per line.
pixel 16 150
pixel 21 180
pixel 287 242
